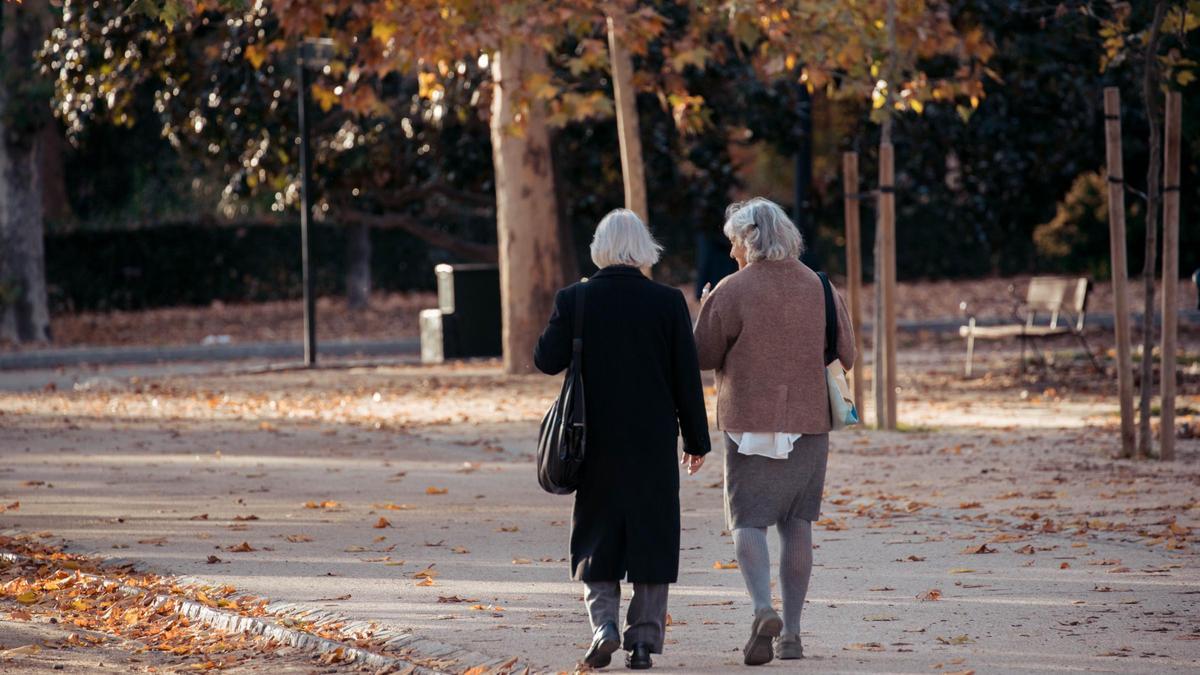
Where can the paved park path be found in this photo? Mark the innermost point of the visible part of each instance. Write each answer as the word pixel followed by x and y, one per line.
pixel 994 535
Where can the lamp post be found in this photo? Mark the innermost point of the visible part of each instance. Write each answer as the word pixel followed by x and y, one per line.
pixel 312 53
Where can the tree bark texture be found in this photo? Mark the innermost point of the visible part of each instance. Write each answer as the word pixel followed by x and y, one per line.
pixel 24 313
pixel 358 265
pixel 526 211
pixel 1150 96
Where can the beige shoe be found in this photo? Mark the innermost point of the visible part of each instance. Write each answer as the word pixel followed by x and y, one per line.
pixel 767 626
pixel 788 647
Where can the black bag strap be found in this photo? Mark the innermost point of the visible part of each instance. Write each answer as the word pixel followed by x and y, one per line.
pixel 577 343
pixel 831 321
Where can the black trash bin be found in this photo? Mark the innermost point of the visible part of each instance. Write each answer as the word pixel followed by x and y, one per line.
pixel 467 320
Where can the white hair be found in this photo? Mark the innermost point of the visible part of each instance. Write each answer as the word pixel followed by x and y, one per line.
pixel 623 239
pixel 763 229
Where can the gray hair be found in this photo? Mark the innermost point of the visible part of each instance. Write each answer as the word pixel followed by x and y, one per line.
pixel 764 229
pixel 623 239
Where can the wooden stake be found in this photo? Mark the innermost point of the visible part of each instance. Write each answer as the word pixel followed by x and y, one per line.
pixel 1170 273
pixel 887 220
pixel 1120 275
pixel 853 267
pixel 630 139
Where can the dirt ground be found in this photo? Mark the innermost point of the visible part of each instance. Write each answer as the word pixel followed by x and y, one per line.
pixel 394 315
pixel 994 533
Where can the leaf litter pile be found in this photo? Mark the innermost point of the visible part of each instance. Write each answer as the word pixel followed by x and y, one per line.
pixel 110 600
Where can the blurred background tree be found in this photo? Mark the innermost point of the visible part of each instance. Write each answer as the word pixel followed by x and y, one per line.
pixel 190 110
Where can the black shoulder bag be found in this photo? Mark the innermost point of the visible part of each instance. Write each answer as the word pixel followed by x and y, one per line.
pixel 561 439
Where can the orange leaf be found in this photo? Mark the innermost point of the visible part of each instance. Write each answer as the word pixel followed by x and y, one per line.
pixel 427 573
pixel 381 523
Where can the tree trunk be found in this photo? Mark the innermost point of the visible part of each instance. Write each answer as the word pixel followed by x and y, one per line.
pixel 358 265
pixel 1150 82
pixel 526 210
pixel 566 232
pixel 802 181
pixel 56 206
pixel 24 315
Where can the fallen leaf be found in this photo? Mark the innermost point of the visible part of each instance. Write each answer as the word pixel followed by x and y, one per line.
pixel 27 598
pixel 452 599
pixel 521 561
pixel 956 640
pixel 930 595
pixel 459 550
pixel 427 573
pixel 249 517
pixel 436 490
pixel 213 560
pixel 864 647
pixel 982 548
pixel 731 565
pixel 381 523
pixel 392 507
pixel 243 547
pixel 298 538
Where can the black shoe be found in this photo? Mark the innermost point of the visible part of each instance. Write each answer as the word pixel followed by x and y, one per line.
pixel 604 643
pixel 639 657
pixel 767 626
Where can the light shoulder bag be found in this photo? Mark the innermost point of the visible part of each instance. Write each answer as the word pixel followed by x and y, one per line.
pixel 841 403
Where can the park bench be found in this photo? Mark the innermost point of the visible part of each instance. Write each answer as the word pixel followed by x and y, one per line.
pixel 1061 300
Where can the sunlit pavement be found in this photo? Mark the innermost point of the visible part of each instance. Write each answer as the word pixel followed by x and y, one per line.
pixel 1079 562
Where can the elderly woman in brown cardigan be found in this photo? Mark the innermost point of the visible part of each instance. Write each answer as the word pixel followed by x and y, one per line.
pixel 762 329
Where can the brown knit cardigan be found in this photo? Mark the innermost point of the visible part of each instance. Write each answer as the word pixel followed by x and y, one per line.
pixel 763 330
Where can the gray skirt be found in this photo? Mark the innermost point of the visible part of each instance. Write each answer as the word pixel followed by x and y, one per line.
pixel 760 491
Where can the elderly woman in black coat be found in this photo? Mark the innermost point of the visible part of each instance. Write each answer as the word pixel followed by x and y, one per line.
pixel 642 390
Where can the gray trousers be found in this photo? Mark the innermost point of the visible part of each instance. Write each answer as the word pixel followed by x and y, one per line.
pixel 646 618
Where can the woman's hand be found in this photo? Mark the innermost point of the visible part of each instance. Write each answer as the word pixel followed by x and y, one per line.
pixel 704 292
pixel 692 462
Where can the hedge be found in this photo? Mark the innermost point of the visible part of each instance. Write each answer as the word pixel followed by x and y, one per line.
pixel 198 264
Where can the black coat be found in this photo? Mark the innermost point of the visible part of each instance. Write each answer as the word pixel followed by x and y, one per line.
pixel 641 383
